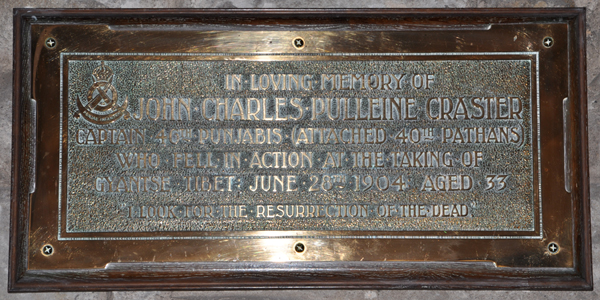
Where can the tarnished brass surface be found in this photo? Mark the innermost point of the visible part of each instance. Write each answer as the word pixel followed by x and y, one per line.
pixel 133 175
pixel 244 145
pixel 206 144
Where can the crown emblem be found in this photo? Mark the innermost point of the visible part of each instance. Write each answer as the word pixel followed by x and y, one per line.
pixel 102 73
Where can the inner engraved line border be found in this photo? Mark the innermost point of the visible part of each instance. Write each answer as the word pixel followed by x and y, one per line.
pixel 537 75
pixel 60 148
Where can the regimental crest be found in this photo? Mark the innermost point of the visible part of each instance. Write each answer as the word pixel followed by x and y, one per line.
pixel 101 105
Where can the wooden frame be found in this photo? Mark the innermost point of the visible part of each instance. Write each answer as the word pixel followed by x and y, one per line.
pixel 575 275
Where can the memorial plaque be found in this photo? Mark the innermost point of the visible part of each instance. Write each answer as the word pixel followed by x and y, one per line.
pixel 204 149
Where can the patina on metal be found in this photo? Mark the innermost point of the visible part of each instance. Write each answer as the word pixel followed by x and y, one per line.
pixel 333 144
pixel 231 149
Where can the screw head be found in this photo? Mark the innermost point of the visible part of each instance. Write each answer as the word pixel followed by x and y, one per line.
pixel 50 43
pixel 299 247
pixel 548 42
pixel 47 250
pixel 553 248
pixel 298 43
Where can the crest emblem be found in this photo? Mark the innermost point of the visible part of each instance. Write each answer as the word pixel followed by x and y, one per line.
pixel 101 104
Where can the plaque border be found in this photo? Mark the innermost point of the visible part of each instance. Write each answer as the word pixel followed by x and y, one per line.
pixel 534 84
pixel 253 275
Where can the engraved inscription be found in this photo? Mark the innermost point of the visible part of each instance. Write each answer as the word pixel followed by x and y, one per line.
pixel 378 145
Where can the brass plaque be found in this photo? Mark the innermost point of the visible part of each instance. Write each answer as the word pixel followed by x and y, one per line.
pixel 326 143
pixel 205 149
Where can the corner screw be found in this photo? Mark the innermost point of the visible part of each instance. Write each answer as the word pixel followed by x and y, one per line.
pixel 47 250
pixel 299 247
pixel 298 43
pixel 553 248
pixel 548 42
pixel 50 43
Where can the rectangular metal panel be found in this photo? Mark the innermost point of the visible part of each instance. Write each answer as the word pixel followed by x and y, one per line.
pixel 377 145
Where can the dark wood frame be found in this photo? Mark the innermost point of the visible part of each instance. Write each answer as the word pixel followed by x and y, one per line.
pixel 252 275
